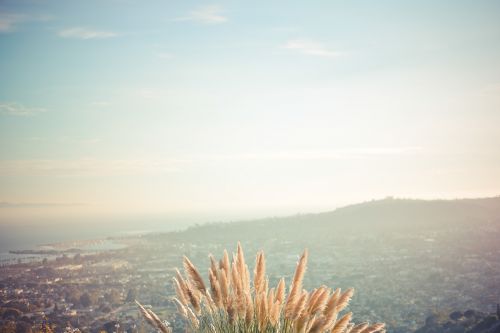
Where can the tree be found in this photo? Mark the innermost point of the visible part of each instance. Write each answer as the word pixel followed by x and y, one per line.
pixel 88 299
pixel 85 300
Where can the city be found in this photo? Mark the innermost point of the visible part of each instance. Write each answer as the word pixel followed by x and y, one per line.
pixel 399 278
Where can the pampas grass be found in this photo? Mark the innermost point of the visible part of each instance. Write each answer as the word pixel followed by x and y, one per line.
pixel 233 303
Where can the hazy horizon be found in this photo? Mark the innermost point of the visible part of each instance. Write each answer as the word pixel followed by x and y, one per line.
pixel 219 110
pixel 33 232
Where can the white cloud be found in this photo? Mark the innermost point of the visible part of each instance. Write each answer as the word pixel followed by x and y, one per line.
pixel 15 109
pixel 311 48
pixel 207 15
pixel 85 33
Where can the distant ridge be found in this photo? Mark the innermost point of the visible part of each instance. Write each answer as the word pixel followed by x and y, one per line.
pixel 411 210
pixel 377 216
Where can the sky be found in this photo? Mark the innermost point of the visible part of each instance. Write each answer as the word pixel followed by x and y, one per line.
pixel 222 110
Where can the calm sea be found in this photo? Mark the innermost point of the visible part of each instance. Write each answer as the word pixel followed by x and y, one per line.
pixel 29 237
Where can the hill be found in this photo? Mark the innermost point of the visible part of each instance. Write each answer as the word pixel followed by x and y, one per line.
pixel 377 216
pixel 406 258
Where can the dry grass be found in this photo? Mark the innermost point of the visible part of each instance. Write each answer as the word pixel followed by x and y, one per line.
pixel 232 305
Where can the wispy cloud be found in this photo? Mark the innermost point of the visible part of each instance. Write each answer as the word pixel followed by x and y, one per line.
pixel 15 109
pixel 8 22
pixel 85 33
pixel 7 204
pixel 94 167
pixel 311 48
pixel 149 93
pixel 100 103
pixel 64 140
pixel 164 55
pixel 342 154
pixel 212 14
pixel 85 141
pixel 87 167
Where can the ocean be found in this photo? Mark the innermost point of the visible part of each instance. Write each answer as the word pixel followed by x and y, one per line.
pixel 31 237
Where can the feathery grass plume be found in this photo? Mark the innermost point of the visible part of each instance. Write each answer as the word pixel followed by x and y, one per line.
pixel 344 299
pixel 231 312
pixel 213 263
pixel 179 291
pixel 246 279
pixel 316 325
pixel 261 313
pixel 318 300
pixel 183 290
pixel 280 291
pixel 145 314
pixel 224 263
pixel 332 302
pixel 299 324
pixel 296 286
pixel 164 326
pixel 377 327
pixel 249 310
pixel 359 327
pixel 331 311
pixel 270 297
pixel 153 319
pixel 259 272
pixel 349 328
pixel 195 323
pixel 194 297
pixel 224 287
pixel 194 276
pixel 181 308
pixel 215 288
pixel 342 323
pixel 274 312
pixel 241 259
pixel 230 305
pixel 209 303
pixel 236 281
pixel 300 305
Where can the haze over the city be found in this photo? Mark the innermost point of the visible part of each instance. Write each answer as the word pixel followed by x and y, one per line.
pixel 214 110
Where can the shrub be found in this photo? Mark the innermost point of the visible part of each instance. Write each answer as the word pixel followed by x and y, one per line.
pixel 235 304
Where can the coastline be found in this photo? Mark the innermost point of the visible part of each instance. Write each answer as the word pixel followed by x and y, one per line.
pixel 53 250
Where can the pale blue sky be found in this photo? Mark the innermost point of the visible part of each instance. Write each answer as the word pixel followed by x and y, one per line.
pixel 234 109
